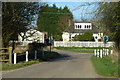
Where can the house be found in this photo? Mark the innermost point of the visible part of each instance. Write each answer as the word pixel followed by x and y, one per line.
pixel 80 28
pixel 32 35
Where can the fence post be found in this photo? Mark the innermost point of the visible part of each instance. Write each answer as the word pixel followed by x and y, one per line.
pixel 15 58
pixel 103 52
pixel 26 56
pixel 100 53
pixel 35 54
pixel 111 51
pixel 95 52
pixel 107 51
pixel 10 57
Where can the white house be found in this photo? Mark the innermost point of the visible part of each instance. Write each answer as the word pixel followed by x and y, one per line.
pixel 80 28
pixel 32 35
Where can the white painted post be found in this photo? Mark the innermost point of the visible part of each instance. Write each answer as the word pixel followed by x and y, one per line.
pixel 98 53
pixel 95 52
pixel 101 53
pixel 42 52
pixel 26 56
pixel 88 44
pixel 15 58
pixel 107 51
pixel 35 54
pixel 111 51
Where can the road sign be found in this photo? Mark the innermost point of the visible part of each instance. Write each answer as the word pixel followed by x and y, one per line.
pixel 105 39
pixel 10 48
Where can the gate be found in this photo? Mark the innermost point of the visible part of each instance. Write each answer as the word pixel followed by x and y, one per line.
pixel 6 57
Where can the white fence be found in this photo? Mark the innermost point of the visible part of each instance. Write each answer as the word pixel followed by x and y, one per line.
pixel 81 44
pixel 102 52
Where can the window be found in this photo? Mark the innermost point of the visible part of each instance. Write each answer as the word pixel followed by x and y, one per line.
pixel 89 26
pixel 80 26
pixel 76 26
pixel 96 37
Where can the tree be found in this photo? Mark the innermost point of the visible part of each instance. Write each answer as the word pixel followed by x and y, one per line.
pixel 16 19
pixel 53 20
pixel 109 18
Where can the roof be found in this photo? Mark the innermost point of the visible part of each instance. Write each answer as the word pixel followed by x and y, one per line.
pixel 94 30
pixel 69 29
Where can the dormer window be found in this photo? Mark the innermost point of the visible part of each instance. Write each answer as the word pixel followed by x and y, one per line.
pixel 80 26
pixel 89 26
pixel 83 26
pixel 76 26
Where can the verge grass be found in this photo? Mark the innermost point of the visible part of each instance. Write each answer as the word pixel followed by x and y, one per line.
pixel 106 66
pixel 81 49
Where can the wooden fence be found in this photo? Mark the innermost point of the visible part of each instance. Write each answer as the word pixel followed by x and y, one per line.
pixel 6 57
pixel 14 58
pixel 82 44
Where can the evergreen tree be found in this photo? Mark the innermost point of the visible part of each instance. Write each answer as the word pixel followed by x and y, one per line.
pixel 54 20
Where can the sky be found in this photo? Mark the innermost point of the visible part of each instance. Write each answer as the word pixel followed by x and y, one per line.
pixel 78 9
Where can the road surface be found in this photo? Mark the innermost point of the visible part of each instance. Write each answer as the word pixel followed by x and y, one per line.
pixel 70 65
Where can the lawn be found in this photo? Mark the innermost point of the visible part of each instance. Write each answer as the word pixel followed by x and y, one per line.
pixel 48 56
pixel 80 49
pixel 107 66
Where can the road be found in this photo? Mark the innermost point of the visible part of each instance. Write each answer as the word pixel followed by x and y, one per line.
pixel 70 65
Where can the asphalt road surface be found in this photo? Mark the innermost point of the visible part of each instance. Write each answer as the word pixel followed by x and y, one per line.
pixel 70 65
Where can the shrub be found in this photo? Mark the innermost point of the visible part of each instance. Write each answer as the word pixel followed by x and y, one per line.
pixel 87 36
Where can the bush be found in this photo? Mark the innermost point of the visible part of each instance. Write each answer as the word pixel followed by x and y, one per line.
pixel 87 36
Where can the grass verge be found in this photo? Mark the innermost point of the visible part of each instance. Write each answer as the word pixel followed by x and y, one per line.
pixel 106 66
pixel 19 65
pixel 47 56
pixel 80 49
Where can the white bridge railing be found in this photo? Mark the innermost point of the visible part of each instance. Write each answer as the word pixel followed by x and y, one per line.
pixel 82 44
